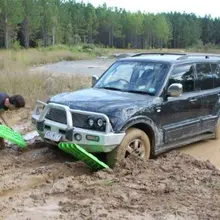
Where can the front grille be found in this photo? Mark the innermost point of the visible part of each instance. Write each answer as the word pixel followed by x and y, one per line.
pixel 59 116
pixel 79 120
pixel 56 115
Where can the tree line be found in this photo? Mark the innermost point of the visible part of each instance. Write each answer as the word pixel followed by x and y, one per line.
pixel 32 23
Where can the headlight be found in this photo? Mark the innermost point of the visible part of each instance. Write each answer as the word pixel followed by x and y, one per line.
pixel 96 123
pixel 100 122
pixel 90 122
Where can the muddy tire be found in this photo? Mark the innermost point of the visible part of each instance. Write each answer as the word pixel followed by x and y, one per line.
pixel 217 130
pixel 134 142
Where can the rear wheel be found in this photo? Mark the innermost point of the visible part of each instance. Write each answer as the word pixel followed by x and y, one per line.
pixel 135 142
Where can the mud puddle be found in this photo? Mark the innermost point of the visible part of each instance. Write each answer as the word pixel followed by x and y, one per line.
pixel 82 67
pixel 204 150
pixel 48 184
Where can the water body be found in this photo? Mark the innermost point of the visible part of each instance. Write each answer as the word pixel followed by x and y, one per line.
pixel 82 67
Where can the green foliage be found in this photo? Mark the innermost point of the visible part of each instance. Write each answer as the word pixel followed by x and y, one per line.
pixel 43 23
pixel 16 46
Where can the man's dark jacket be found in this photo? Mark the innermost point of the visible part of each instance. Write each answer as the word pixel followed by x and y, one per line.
pixel 3 96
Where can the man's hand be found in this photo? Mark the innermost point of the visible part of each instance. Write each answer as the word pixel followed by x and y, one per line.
pixel 5 121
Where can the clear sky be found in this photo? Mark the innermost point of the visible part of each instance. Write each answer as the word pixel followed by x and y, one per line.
pixel 200 8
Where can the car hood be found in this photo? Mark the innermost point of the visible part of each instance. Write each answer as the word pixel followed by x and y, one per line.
pixel 112 103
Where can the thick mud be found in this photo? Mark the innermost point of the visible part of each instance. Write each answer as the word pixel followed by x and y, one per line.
pixel 41 183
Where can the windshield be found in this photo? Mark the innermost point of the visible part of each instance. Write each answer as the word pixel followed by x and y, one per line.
pixel 134 76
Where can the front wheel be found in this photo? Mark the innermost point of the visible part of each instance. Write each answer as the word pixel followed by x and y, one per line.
pixel 135 142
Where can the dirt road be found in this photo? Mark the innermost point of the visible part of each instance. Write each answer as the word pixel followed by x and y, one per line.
pixel 40 183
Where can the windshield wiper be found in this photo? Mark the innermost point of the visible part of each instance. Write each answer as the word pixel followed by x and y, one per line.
pixel 131 91
pixel 140 92
pixel 111 88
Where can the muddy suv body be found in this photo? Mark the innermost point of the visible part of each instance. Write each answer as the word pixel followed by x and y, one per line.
pixel 144 104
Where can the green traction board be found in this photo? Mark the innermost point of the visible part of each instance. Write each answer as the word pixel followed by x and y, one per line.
pixel 12 136
pixel 81 154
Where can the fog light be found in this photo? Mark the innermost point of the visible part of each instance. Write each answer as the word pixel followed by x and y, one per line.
pixel 78 137
pixel 92 138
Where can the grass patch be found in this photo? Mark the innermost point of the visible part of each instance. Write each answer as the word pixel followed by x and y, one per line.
pixel 16 79
pixel 24 58
pixel 41 86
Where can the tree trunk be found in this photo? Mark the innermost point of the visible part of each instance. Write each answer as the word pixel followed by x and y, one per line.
pixel 112 37
pixel 26 26
pixel 26 33
pixel 45 29
pixel 45 33
pixel 109 35
pixel 90 37
pixel 6 32
pixel 53 37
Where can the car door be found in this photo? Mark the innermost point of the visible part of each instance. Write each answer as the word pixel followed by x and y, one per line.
pixel 207 84
pixel 181 116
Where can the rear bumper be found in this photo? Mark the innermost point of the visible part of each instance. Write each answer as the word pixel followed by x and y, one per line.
pixel 101 141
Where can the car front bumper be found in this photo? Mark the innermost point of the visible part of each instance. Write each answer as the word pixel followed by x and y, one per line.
pixel 92 141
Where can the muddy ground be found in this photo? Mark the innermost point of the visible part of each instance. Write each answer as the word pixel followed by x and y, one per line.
pixel 41 184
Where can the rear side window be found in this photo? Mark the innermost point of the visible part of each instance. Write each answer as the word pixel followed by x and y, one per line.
pixel 204 76
pixel 183 74
pixel 216 74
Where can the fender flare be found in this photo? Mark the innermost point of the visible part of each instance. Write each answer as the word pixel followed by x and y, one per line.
pixel 157 134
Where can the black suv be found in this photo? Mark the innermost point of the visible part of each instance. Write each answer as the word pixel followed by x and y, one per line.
pixel 145 104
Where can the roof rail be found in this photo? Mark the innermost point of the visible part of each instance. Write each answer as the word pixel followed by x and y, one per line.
pixel 206 56
pixel 158 53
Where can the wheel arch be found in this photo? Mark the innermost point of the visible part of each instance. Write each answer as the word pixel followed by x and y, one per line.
pixel 149 128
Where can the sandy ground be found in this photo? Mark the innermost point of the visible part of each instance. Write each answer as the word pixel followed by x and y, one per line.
pixel 40 183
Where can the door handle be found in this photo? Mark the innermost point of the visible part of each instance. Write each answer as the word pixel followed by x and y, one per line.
pixel 193 100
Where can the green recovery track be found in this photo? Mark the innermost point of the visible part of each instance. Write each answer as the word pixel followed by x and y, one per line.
pixel 81 154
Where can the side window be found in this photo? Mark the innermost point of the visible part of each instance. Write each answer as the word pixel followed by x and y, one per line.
pixel 183 74
pixel 216 74
pixel 204 76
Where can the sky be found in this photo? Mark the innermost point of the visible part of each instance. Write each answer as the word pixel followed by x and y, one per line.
pixel 200 8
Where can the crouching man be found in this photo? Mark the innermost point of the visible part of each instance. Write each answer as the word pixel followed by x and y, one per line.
pixel 9 103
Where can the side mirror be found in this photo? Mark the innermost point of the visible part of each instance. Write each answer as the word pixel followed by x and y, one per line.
pixel 94 79
pixel 175 90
